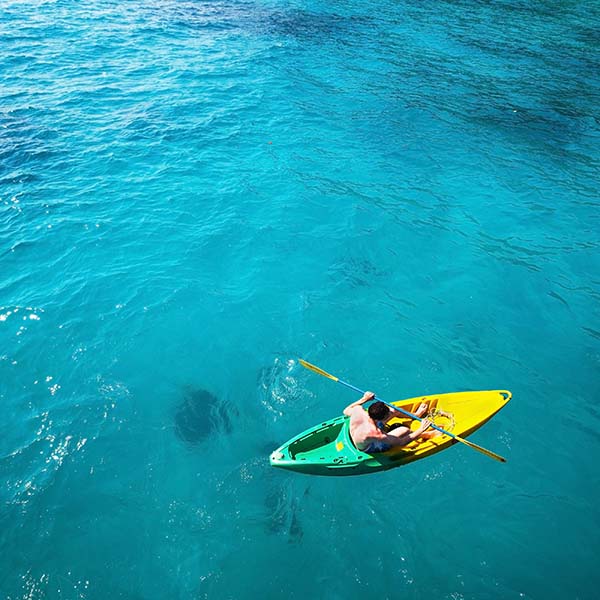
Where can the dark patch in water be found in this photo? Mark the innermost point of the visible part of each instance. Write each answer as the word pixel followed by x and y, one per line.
pixel 201 415
pixel 294 23
pixel 296 532
pixel 358 272
pixel 305 25
pixel 283 509
pixel 25 144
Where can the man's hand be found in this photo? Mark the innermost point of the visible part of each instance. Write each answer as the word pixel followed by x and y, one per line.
pixel 425 424
pixel 367 396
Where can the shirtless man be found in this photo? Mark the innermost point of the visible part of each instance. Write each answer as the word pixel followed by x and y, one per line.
pixel 366 434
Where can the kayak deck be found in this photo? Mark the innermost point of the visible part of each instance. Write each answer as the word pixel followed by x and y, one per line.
pixel 327 448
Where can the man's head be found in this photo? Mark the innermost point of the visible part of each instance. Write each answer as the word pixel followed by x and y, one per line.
pixel 378 411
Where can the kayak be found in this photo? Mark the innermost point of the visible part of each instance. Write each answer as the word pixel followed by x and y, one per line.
pixel 327 448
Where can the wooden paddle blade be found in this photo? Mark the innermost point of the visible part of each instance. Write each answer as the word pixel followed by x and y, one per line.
pixel 317 370
pixel 480 449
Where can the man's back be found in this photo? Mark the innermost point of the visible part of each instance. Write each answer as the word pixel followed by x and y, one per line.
pixel 362 428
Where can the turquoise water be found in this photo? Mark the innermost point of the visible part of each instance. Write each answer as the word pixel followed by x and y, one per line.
pixel 193 194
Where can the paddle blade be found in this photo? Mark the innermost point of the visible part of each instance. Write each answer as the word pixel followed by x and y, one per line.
pixel 317 370
pixel 480 449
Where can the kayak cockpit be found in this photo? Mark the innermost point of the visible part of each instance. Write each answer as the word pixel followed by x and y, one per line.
pixel 315 443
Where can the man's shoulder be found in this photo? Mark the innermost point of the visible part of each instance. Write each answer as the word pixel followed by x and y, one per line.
pixel 358 413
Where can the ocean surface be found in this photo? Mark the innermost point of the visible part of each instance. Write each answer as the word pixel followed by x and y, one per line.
pixel 194 194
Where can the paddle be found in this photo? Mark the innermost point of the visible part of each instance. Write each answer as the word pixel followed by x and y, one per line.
pixel 408 414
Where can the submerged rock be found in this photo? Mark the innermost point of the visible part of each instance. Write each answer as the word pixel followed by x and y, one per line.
pixel 201 415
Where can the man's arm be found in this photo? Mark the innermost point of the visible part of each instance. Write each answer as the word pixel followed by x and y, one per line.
pixel 409 436
pixel 368 396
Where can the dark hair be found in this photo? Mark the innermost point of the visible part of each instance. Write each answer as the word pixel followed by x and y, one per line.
pixel 378 410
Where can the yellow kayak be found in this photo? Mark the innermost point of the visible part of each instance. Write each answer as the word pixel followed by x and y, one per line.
pixel 327 448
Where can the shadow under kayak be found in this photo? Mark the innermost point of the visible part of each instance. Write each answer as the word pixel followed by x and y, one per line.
pixel 327 449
